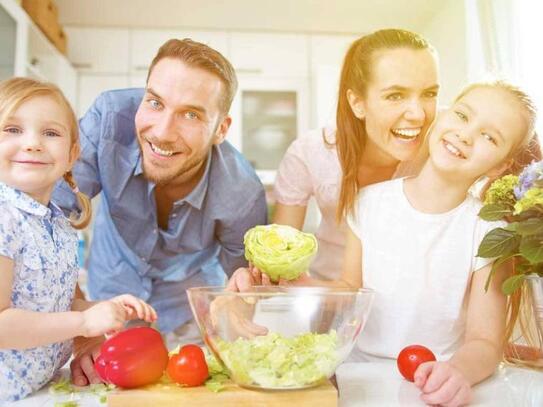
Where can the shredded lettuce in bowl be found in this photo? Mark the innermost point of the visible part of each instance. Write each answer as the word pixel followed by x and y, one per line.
pixel 280 251
pixel 273 361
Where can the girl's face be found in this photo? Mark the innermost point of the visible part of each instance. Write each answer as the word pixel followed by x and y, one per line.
pixel 476 135
pixel 400 103
pixel 35 147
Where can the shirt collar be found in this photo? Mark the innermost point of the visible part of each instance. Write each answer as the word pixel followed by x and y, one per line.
pixel 196 197
pixel 26 203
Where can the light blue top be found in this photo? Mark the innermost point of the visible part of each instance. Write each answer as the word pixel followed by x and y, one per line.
pixel 43 246
pixel 129 252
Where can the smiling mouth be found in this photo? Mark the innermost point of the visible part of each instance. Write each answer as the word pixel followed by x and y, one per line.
pixel 453 150
pixel 407 134
pixel 161 152
pixel 30 162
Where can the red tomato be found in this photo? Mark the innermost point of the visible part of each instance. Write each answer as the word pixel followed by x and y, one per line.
pixel 411 357
pixel 189 366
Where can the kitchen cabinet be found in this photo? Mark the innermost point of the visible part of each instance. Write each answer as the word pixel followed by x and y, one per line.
pixel 269 55
pixel 326 59
pixel 144 45
pixel 91 85
pixel 99 50
pixel 8 38
pixel 267 115
pixel 25 51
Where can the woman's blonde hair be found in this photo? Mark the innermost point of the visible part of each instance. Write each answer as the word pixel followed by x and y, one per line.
pixel 13 93
pixel 356 75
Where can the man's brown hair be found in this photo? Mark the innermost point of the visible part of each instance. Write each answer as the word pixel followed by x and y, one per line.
pixel 197 55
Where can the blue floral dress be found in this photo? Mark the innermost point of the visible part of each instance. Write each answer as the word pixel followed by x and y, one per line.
pixel 43 246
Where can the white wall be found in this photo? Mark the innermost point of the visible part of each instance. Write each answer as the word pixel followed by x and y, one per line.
pixel 339 16
pixel 446 30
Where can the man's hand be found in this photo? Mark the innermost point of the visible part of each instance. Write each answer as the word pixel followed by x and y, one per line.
pixel 86 350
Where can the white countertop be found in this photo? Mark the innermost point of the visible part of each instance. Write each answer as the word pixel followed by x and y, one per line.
pixel 376 385
pixel 380 384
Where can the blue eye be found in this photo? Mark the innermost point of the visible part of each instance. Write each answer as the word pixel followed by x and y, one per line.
pixel 489 138
pixel 394 96
pixel 155 104
pixel 190 115
pixel 431 94
pixel 461 115
pixel 52 133
pixel 12 130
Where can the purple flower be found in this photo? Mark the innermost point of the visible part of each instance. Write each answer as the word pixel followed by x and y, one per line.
pixel 530 174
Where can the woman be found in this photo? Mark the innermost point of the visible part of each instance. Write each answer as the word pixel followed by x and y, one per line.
pixel 387 100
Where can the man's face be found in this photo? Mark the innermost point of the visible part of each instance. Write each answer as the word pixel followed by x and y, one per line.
pixel 179 120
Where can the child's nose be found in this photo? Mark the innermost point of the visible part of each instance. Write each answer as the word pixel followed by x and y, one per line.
pixel 464 137
pixel 32 143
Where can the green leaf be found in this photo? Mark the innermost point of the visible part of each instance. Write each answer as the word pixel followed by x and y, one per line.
pixel 531 248
pixel 498 242
pixel 512 227
pixel 512 283
pixel 531 226
pixel 493 212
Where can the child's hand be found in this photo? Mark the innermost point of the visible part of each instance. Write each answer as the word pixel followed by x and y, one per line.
pixel 135 308
pixel 441 383
pixel 103 317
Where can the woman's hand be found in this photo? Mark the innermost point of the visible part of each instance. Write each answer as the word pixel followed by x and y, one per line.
pixel 442 383
pixel 245 278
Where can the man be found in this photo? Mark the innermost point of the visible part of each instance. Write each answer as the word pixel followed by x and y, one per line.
pixel 176 199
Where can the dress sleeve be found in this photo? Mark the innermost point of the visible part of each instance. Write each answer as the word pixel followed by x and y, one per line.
pixel 293 184
pixel 9 241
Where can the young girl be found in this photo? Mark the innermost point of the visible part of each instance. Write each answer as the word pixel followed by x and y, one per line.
pixel 38 246
pixel 414 241
pixel 386 102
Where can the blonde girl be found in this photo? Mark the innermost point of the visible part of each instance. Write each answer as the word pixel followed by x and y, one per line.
pixel 38 245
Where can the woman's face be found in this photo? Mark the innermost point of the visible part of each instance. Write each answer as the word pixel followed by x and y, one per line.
pixel 400 104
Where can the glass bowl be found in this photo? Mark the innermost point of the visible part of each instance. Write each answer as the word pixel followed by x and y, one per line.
pixel 277 337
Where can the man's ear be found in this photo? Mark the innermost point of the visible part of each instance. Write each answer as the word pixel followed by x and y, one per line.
pixel 499 169
pixel 222 130
pixel 357 104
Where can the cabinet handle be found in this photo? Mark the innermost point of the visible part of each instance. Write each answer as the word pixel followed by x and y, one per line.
pixel 81 65
pixel 141 67
pixel 34 61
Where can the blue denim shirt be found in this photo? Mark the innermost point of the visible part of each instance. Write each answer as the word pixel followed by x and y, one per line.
pixel 129 252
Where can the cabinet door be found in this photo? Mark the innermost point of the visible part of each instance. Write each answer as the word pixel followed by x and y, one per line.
pixel 279 55
pixel 91 85
pixel 98 49
pixel 145 44
pixel 267 114
pixel 327 54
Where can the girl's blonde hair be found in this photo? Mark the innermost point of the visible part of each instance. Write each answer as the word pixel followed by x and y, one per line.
pixel 523 153
pixel 16 91
pixel 356 75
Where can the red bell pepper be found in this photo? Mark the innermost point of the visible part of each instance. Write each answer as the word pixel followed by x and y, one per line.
pixel 132 358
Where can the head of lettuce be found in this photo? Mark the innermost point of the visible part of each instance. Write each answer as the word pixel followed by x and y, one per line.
pixel 280 251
